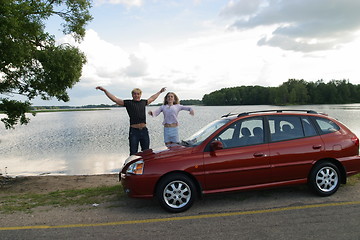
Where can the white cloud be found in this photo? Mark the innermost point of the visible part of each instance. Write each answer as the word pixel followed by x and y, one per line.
pixel 105 61
pixel 137 67
pixel 299 25
pixel 240 8
pixel 129 3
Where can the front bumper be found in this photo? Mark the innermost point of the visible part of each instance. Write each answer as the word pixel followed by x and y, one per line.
pixel 138 186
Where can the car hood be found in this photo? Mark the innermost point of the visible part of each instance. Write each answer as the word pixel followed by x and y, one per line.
pixel 164 152
pixel 156 154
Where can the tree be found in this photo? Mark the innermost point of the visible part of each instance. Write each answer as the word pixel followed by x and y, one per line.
pixel 297 91
pixel 282 95
pixel 31 64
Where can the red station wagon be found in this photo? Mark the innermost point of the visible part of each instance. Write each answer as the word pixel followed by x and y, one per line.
pixel 251 150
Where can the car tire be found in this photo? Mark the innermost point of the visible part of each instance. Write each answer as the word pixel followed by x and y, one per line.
pixel 324 179
pixel 176 193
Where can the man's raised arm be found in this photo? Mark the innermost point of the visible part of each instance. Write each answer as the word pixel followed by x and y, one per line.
pixel 111 96
pixel 156 95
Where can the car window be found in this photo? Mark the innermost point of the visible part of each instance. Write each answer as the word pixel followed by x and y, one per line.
pixel 285 128
pixel 326 125
pixel 243 133
pixel 309 129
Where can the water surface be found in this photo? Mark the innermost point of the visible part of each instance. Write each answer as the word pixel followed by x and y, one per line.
pixel 96 142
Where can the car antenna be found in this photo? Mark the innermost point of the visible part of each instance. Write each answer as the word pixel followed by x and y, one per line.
pixel 226 115
pixel 231 112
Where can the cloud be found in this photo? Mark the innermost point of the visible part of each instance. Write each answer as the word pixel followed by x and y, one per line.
pixel 107 63
pixel 113 67
pixel 137 68
pixel 288 43
pixel 129 3
pixel 240 8
pixel 298 25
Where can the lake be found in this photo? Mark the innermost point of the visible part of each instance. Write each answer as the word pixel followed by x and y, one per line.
pixel 96 142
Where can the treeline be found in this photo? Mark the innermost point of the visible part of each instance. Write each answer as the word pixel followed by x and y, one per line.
pixel 39 108
pixel 191 102
pixel 296 92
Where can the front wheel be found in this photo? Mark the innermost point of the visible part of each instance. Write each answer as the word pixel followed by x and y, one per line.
pixel 176 193
pixel 324 179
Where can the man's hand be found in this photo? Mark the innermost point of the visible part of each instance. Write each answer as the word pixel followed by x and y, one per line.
pixel 153 97
pixel 100 88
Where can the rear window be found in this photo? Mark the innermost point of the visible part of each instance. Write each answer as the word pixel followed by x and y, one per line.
pixel 309 129
pixel 326 125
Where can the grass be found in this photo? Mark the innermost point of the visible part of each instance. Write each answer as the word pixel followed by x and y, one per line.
pixel 351 181
pixel 27 202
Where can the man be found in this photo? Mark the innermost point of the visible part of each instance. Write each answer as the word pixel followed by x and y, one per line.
pixel 136 110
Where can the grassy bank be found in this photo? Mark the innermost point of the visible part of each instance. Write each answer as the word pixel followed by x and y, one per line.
pixel 88 196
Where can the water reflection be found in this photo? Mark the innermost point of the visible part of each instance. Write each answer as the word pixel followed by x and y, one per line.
pixel 65 164
pixel 96 142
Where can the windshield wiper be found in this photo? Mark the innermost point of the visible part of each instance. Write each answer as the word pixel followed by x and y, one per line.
pixel 185 143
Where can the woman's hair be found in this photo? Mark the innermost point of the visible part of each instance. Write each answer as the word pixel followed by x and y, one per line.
pixel 176 99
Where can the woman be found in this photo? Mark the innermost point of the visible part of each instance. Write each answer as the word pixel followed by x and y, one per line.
pixel 170 109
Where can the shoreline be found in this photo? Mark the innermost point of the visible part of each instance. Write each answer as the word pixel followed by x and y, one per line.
pixel 52 183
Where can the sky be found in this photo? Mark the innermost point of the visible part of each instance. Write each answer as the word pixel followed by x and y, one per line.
pixel 194 47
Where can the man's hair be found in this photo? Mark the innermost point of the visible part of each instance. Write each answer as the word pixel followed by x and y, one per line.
pixel 136 90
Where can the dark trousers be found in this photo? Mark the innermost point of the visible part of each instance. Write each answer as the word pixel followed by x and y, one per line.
pixel 137 136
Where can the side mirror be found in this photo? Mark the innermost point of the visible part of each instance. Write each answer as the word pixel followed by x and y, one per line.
pixel 216 145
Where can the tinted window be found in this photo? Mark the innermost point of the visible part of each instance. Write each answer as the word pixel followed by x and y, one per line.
pixel 309 129
pixel 243 133
pixel 326 125
pixel 285 128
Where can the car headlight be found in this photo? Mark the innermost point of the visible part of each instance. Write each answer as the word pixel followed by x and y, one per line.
pixel 136 168
pixel 131 158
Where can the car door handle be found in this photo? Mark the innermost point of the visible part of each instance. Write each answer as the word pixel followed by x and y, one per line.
pixel 259 154
pixel 316 146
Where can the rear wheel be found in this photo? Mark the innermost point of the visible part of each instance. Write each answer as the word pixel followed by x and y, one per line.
pixel 325 179
pixel 176 193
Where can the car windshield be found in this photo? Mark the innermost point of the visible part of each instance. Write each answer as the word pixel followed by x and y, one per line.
pixel 198 137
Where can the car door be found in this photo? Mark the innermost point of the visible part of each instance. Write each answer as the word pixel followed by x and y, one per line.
pixel 294 145
pixel 243 161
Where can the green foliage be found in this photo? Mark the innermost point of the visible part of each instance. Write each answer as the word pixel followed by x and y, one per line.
pixel 31 64
pixel 191 102
pixel 15 112
pixel 292 92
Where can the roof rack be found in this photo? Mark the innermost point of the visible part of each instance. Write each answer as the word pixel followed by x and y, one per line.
pixel 275 110
pixel 278 111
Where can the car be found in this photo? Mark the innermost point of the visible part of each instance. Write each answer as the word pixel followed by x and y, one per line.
pixel 246 151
